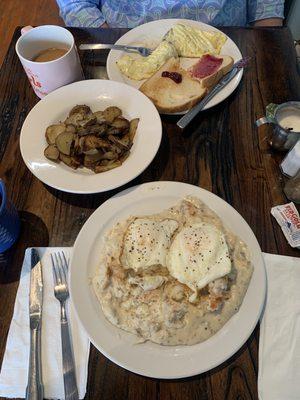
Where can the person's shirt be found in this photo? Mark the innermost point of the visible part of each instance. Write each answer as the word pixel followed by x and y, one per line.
pixel 131 13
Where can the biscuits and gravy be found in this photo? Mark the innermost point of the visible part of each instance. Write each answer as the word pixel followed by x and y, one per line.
pixel 173 278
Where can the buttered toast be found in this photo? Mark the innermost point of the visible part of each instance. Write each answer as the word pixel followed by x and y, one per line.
pixel 169 95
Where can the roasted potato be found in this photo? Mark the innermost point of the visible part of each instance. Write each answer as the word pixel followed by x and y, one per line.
pixel 78 144
pixel 90 160
pixel 100 116
pixel 120 123
pixel 103 168
pixel 91 152
pixel 53 131
pixel 74 119
pixel 116 149
pixel 125 140
pixel 51 152
pixel 100 141
pixel 64 142
pixel 71 128
pixel 124 156
pixel 69 161
pixel 118 143
pixel 110 113
pixel 133 124
pixel 81 131
pixel 93 142
pixel 110 155
pixel 113 131
pixel 80 109
pixel 98 129
pixel 88 121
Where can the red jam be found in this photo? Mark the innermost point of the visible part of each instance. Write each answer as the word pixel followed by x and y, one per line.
pixel 175 76
pixel 206 66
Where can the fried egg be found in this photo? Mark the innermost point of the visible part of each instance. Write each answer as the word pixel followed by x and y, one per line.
pixel 146 243
pixel 198 255
pixel 144 67
pixel 193 42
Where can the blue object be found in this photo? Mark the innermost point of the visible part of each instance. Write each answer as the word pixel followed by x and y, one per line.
pixel 9 221
pixel 131 13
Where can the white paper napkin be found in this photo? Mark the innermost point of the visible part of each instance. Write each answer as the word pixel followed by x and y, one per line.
pixel 14 371
pixel 279 342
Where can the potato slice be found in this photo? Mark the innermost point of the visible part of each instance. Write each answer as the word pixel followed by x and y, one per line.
pixel 114 131
pixel 98 129
pixel 71 128
pixel 114 148
pixel 120 123
pixel 87 121
pixel 93 142
pixel 77 160
pixel 64 142
pixel 103 162
pixel 110 113
pixel 124 156
pixel 125 140
pixel 80 109
pixel 53 131
pixel 78 144
pixel 69 161
pixel 91 160
pixel 51 152
pixel 91 152
pixel 133 124
pixel 100 116
pixel 109 155
pixel 103 168
pixel 118 143
pixel 81 131
pixel 74 119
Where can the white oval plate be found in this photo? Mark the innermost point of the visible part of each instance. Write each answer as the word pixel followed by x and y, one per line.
pixel 148 358
pixel 151 34
pixel 98 94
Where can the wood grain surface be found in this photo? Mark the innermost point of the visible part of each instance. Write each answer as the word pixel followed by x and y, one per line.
pixel 222 151
pixel 21 13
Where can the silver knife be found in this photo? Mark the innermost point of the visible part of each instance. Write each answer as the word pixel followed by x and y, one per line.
pixel 189 116
pixel 34 390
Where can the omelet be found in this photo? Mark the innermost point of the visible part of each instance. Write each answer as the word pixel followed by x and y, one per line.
pixel 144 67
pixel 193 42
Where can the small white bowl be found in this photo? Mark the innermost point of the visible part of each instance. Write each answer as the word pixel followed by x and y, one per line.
pixel 98 94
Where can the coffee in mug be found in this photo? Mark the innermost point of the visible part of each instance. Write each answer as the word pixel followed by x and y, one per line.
pixel 49 54
pixel 49 57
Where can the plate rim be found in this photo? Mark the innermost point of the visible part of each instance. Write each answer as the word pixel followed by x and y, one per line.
pixel 234 349
pixel 239 75
pixel 99 189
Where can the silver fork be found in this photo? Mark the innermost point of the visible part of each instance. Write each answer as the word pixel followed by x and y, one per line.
pixel 143 51
pixel 61 292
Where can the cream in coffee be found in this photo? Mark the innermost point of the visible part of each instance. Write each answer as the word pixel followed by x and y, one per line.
pixel 49 54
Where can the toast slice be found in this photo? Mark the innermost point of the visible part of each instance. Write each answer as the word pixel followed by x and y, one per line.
pixel 211 80
pixel 169 96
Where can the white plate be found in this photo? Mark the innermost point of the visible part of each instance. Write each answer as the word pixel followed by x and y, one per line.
pixel 151 34
pixel 151 359
pixel 98 94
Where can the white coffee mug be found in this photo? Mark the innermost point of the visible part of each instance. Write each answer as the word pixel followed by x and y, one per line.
pixel 50 75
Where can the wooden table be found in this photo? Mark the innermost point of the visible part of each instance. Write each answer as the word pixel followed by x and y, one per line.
pixel 222 151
